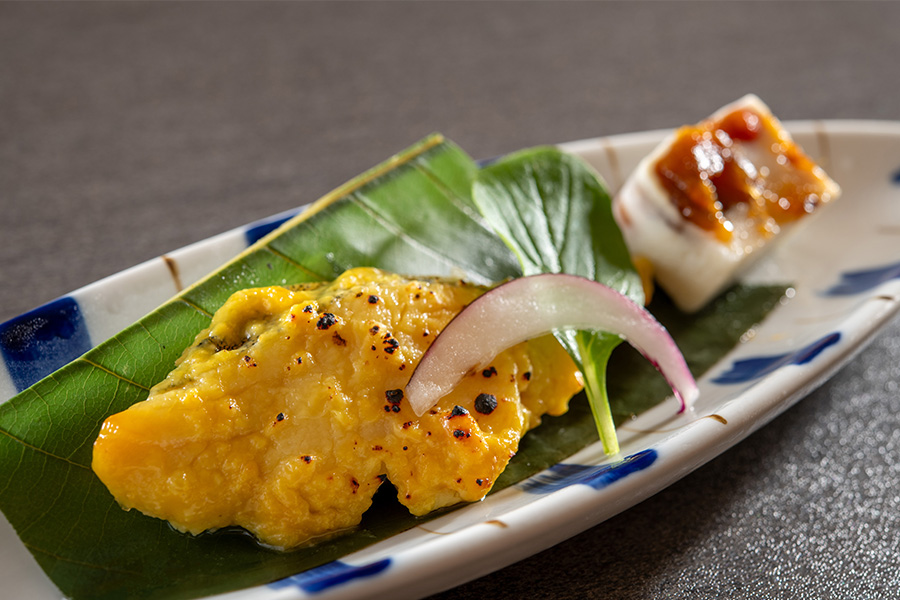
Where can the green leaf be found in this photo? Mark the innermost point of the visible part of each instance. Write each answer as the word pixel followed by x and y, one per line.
pixel 413 214
pixel 555 214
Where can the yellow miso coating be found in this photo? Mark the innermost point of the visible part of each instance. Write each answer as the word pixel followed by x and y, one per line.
pixel 287 413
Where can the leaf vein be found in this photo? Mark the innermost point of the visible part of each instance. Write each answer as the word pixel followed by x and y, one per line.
pixel 459 203
pixel 196 307
pixel 293 262
pixel 40 517
pixel 398 231
pixel 114 374
pixel 82 563
pixel 39 450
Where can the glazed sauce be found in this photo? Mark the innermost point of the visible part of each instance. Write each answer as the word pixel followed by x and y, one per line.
pixel 743 158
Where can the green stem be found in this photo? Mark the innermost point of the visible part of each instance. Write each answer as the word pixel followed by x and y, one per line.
pixel 594 370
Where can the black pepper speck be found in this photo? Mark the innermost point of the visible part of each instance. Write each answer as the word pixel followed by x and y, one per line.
pixel 485 403
pixel 326 321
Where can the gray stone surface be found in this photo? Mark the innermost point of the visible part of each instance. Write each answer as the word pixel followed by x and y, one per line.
pixel 129 130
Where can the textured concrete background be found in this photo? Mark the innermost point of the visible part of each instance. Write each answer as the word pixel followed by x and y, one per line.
pixel 130 130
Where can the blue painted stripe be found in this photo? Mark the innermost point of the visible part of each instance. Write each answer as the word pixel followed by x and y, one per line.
pixel 486 162
pixel 35 344
pixel 261 229
pixel 330 575
pixel 748 369
pixel 857 282
pixel 597 477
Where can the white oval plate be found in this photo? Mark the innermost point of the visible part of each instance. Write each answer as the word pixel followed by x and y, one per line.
pixel 844 266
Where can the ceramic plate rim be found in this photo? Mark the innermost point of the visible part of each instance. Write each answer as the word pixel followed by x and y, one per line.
pixel 437 564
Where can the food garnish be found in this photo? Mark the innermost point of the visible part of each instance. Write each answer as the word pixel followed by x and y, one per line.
pixel 532 306
pixel 553 210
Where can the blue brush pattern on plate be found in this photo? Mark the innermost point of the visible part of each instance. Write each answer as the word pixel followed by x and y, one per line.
pixel 748 369
pixel 565 474
pixel 257 231
pixel 856 282
pixel 35 344
pixel 330 575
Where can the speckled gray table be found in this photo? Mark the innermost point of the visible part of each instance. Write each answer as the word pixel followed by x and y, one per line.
pixel 130 130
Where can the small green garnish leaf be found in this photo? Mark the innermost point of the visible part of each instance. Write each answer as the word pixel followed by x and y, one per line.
pixel 555 213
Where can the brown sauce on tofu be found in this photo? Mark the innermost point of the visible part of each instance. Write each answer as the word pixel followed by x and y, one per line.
pixel 743 159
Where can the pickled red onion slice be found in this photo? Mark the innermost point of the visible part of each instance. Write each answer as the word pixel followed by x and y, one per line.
pixel 531 306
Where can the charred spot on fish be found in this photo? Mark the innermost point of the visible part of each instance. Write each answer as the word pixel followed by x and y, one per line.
pixel 458 411
pixel 373 299
pixel 326 321
pixel 461 434
pixel 394 396
pixel 490 371
pixel 338 340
